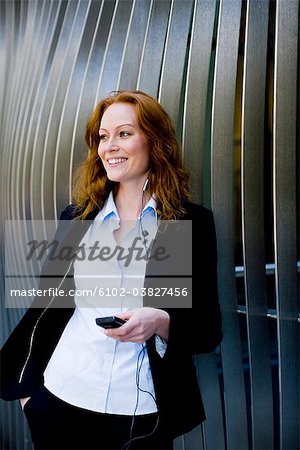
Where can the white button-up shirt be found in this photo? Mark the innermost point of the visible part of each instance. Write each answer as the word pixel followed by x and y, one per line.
pixel 89 369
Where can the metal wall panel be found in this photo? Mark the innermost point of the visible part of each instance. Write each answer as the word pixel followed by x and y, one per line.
pixel 285 228
pixel 172 71
pixel 58 57
pixel 135 38
pixel 194 118
pixel 153 50
pixel 252 173
pixel 225 73
pixel 197 80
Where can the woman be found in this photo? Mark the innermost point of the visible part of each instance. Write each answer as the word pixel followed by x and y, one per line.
pixel 133 386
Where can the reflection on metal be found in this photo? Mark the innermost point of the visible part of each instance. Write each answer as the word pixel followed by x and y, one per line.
pixel 270 269
pixel 58 57
pixel 252 188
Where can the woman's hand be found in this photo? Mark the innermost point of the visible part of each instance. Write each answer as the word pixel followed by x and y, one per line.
pixel 141 325
pixel 23 401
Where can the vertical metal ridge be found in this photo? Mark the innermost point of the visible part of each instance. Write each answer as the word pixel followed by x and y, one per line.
pixel 222 202
pixel 285 238
pixel 171 82
pixel 129 68
pixel 194 116
pixel 252 186
pixel 144 44
pixel 125 44
pixel 208 376
pixel 150 69
pixel 115 47
pixel 196 93
pixel 159 95
pixel 106 51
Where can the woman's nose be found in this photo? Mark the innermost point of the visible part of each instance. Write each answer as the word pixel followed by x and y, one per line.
pixel 107 147
pixel 112 144
pixel 112 147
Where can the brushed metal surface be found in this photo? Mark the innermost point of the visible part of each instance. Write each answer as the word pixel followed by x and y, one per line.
pixel 252 192
pixel 285 227
pixel 224 89
pixel 194 115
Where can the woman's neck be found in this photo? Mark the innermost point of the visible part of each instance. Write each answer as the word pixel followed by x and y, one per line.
pixel 130 199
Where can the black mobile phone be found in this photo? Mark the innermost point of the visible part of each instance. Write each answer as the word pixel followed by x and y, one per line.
pixel 110 322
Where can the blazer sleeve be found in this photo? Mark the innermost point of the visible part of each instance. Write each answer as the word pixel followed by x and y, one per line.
pixel 198 329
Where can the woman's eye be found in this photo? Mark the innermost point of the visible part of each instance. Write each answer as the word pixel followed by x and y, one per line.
pixel 102 137
pixel 124 133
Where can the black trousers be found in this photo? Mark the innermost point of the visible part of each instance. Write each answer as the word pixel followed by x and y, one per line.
pixel 57 425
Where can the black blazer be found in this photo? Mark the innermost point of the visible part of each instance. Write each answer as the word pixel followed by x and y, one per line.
pixel 27 351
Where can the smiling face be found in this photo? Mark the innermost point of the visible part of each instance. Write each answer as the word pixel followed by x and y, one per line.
pixel 123 149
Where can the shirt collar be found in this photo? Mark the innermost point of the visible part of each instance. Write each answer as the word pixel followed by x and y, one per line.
pixel 149 209
pixel 109 210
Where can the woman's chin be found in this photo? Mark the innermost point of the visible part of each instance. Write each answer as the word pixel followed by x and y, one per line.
pixel 114 179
